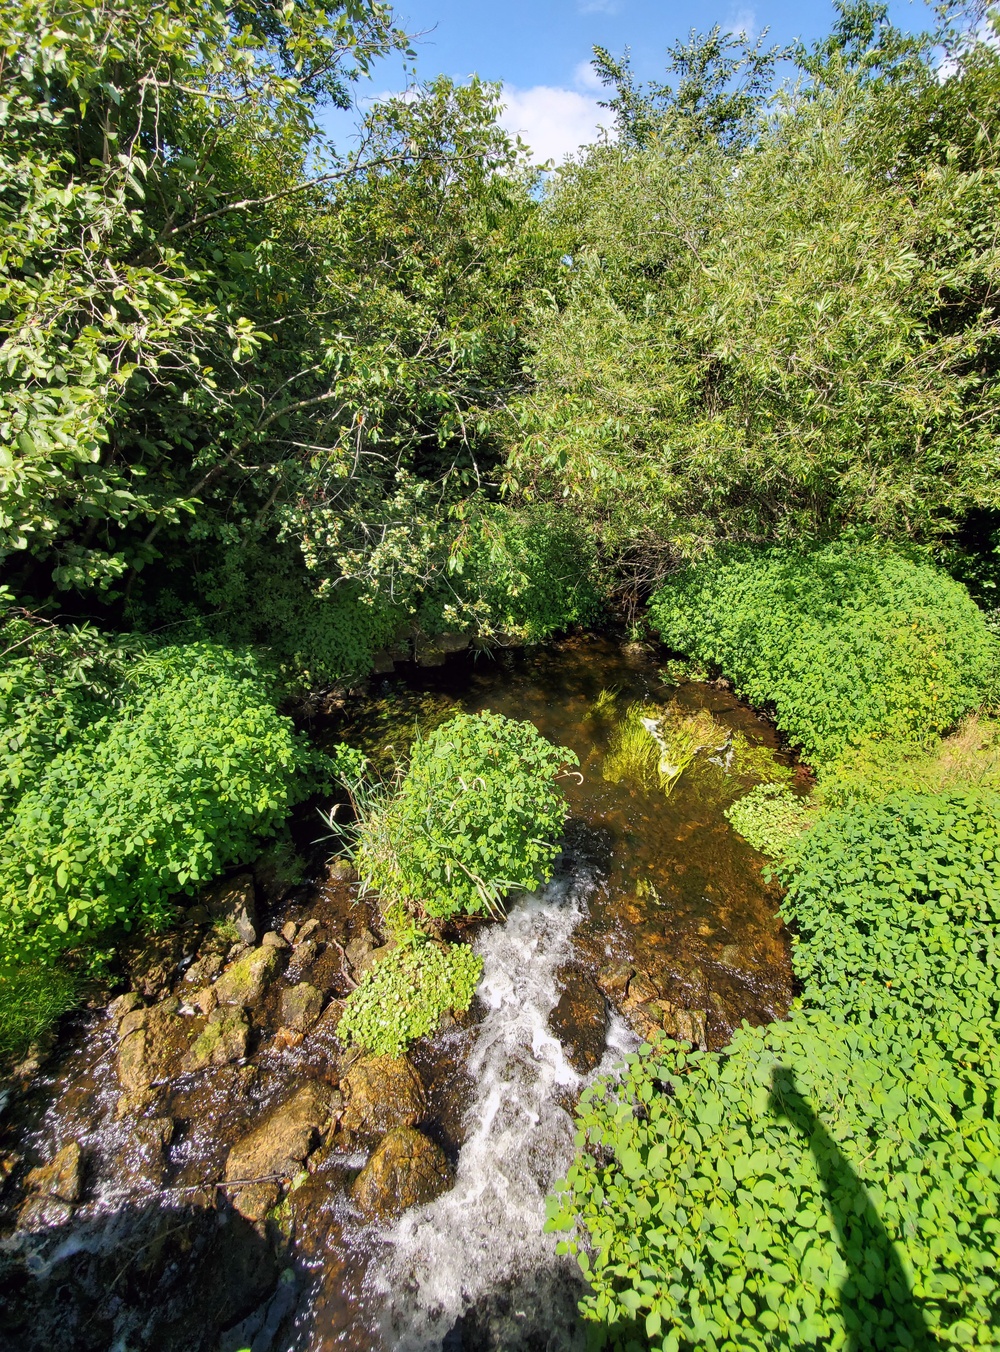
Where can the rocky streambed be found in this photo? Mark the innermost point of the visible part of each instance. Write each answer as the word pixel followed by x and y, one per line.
pixel 200 1164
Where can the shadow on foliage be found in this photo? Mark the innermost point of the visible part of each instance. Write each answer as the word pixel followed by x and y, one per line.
pixel 877 1305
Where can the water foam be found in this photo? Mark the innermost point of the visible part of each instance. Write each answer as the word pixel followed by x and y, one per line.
pixel 479 1251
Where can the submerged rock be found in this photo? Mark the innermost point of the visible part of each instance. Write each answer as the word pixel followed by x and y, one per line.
pixel 276 1149
pixel 405 1170
pixel 383 1092
pixel 580 1019
pixel 243 983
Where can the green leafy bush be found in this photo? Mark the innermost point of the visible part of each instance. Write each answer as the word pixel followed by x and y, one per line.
pixel 896 907
pixel 769 818
pixel 785 1195
pixel 148 801
pixel 848 642
pixel 531 572
pixel 403 996
pixel 477 813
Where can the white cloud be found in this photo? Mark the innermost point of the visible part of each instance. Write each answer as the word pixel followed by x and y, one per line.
pixel 586 77
pixel 599 6
pixel 554 122
pixel 742 23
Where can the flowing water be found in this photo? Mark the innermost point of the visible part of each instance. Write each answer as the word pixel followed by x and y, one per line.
pixel 655 900
pixel 480 1247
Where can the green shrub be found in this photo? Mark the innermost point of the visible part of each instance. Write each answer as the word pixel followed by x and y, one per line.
pixel 478 812
pixel 531 573
pixel 848 642
pixel 148 801
pixel 785 1194
pixel 770 817
pixel 403 996
pixel 896 907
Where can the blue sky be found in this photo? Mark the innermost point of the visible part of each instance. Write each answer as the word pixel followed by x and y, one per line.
pixel 540 50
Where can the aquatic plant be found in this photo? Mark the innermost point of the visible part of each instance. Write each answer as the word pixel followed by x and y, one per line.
pixel 604 705
pixel 769 818
pixel 403 995
pixel 652 747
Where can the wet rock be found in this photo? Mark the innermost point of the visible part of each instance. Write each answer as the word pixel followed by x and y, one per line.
pixel 276 1149
pixel 234 902
pixel 405 1170
pixel 359 952
pixel 206 1000
pixel 274 940
pixel 150 1039
pixel 580 1019
pixel 124 1004
pixel 303 956
pixel 38 1054
pixel 288 931
pixel 614 979
pixel 8 1163
pixel 285 1039
pixel 148 1164
pixel 153 965
pixel 301 1006
pixel 687 1025
pixel 223 1039
pixel 641 989
pixel 62 1178
pixel 308 929
pixel 53 1189
pixel 243 983
pixel 340 871
pixel 383 1092
pixel 206 969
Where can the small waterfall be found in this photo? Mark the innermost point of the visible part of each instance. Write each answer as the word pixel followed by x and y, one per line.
pixel 476 1261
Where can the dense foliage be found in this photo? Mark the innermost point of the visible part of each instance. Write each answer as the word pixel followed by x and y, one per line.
pixel 405 993
pixel 778 316
pixel 478 812
pixel 119 797
pixel 848 643
pixel 770 817
pixel 832 1181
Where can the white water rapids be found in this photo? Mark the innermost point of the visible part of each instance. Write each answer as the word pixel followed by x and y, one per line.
pixel 477 1258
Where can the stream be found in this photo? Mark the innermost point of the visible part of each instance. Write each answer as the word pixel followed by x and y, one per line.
pixel 659 916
